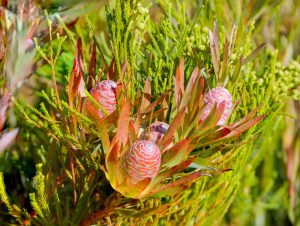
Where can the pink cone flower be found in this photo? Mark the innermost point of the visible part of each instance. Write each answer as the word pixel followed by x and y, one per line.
pixel 155 131
pixel 141 161
pixel 105 94
pixel 217 96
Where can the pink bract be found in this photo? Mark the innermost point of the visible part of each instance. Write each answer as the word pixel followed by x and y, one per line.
pixel 217 96
pixel 105 94
pixel 141 161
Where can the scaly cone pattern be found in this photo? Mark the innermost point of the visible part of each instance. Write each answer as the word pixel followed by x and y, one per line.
pixel 141 161
pixel 217 96
pixel 105 94
pixel 155 132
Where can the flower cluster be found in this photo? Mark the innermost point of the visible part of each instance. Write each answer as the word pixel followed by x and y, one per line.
pixel 140 158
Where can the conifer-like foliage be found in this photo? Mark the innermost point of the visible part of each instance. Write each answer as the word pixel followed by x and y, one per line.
pixel 95 92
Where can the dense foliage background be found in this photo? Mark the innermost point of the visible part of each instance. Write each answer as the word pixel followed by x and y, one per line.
pixel 38 42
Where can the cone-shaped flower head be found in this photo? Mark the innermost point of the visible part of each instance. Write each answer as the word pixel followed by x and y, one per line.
pixel 155 132
pixel 105 94
pixel 217 96
pixel 141 161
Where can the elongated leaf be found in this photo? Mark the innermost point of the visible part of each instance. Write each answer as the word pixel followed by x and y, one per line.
pixel 103 135
pixel 111 118
pixel 215 135
pixel 246 118
pixel 112 72
pixel 170 157
pixel 187 94
pixel 150 107
pixel 120 93
pixel 133 133
pixel 212 122
pixel 179 82
pixel 92 67
pixel 236 132
pixel 222 147
pixel 197 99
pixel 210 115
pixel 147 91
pixel 191 127
pixel 170 191
pixel 215 51
pixel 254 53
pixel 225 62
pixel 232 109
pixel 204 163
pixel 137 122
pixel 165 174
pixel 216 35
pixel 167 138
pixel 111 164
pixel 237 70
pixel 201 134
pixel 76 84
pixel 123 123
pixel 185 180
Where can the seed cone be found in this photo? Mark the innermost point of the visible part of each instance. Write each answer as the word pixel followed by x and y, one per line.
pixel 141 161
pixel 105 94
pixel 217 96
pixel 155 132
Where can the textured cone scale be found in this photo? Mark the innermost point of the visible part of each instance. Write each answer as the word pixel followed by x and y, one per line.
pixel 155 132
pixel 105 94
pixel 141 161
pixel 217 96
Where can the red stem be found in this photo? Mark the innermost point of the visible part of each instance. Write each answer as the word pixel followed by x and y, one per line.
pixel 73 181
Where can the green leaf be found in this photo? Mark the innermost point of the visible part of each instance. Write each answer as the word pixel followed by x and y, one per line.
pixel 224 62
pixel 111 163
pixel 167 138
pixel 186 180
pixel 165 174
pixel 253 54
pixel 237 70
pixel 176 154
pixel 188 92
pixel 103 135
pixel 170 191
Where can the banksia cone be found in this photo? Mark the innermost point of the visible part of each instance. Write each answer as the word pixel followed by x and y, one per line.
pixel 217 96
pixel 141 161
pixel 105 94
pixel 155 132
